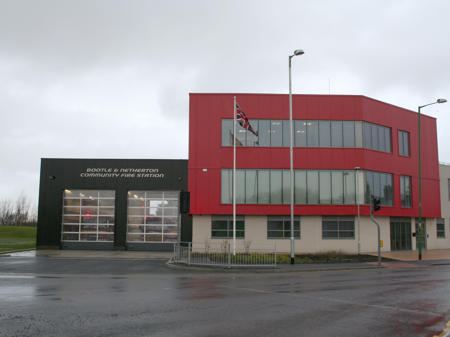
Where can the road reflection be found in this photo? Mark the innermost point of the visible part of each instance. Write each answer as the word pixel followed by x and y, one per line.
pixel 199 288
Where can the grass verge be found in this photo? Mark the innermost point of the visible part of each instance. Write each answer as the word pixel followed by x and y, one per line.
pixel 17 237
pixel 328 257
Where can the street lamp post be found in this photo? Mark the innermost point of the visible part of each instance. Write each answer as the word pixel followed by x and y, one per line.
pixel 420 235
pixel 291 153
pixel 358 202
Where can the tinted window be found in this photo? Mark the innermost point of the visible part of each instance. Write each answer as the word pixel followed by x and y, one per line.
pixel 349 133
pixel 251 188
pixel 337 187
pixel 325 187
pixel 324 134
pixel 313 187
pixel 240 186
pixel 300 187
pixel 276 138
pixel 287 133
pixel 312 131
pixel 252 140
pixel 403 143
pixel 275 186
pixel 263 187
pixel 227 182
pixel 286 187
pixel 264 132
pixel 227 132
pixel 336 134
pixel 349 187
pixel 300 133
pixel 367 136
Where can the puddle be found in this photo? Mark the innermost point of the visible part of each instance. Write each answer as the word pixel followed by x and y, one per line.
pixel 26 253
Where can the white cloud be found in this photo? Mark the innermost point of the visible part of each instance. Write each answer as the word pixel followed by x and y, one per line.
pixel 112 78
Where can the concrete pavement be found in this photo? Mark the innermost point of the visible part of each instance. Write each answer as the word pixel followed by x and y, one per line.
pixel 110 254
pixel 412 255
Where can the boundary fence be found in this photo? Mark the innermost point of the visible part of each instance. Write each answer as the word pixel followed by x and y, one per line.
pixel 222 254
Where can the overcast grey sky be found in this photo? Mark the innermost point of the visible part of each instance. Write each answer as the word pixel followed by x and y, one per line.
pixel 110 79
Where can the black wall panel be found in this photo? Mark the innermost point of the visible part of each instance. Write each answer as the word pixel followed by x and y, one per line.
pixel 120 175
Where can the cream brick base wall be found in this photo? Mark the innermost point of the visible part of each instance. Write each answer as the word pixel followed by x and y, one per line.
pixel 311 235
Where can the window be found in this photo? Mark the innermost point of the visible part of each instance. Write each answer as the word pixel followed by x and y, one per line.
pixel 300 193
pixel 312 133
pixel 227 187
pixel 264 132
pixel 403 143
pixel 240 186
pixel 440 228
pixel 312 183
pixel 350 187
pixel 380 186
pixel 88 215
pixel 153 216
pixel 279 227
pixel 227 132
pixel 307 133
pixel 287 133
pixel 405 190
pixel 338 227
pixel 222 227
pixel 252 140
pixel 276 135
pixel 324 134
pixel 325 187
pixel 300 133
pixel 337 187
pixel 337 133
pixel 261 186
pixel 377 137
pixel 358 133
pixel 276 185
pixel 251 187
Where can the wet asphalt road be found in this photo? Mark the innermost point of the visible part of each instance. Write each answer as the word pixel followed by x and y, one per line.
pixel 99 297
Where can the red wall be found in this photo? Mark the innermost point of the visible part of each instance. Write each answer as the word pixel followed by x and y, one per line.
pixel 205 151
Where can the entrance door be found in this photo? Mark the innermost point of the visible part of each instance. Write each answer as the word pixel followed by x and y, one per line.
pixel 400 234
pixel 424 227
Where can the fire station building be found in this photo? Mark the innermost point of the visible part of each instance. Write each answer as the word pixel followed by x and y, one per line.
pixel 346 149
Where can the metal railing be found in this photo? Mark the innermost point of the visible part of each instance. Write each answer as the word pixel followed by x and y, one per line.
pixel 222 255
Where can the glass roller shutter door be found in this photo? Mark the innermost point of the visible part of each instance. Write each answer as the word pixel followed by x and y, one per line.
pixel 153 216
pixel 88 216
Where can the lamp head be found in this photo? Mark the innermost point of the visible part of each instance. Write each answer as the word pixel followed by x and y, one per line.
pixel 441 100
pixel 298 52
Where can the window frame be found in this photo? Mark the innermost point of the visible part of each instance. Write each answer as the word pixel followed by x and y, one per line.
pixel 78 221
pixel 286 231
pixel 228 219
pixel 440 232
pixel 338 230
pixel 371 137
pixel 403 193
pixel 404 148
pixel 307 133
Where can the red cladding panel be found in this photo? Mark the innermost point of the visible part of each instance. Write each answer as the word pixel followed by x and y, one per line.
pixel 207 156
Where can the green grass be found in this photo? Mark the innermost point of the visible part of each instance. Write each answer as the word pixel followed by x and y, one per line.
pixel 327 257
pixel 17 237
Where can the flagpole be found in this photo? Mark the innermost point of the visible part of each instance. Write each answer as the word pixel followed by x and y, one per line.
pixel 234 176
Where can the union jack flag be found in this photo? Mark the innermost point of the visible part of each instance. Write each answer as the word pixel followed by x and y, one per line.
pixel 243 120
